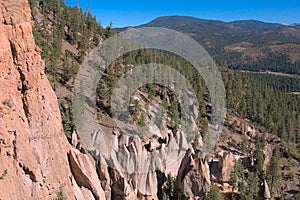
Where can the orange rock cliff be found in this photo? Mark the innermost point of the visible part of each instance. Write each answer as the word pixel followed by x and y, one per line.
pixel 33 148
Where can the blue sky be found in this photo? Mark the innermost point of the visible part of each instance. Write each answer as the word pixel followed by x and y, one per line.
pixel 133 12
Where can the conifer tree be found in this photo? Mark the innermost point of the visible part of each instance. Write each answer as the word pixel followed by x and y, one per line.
pixel 274 171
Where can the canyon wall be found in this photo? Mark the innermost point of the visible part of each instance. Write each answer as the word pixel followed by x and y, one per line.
pixel 33 147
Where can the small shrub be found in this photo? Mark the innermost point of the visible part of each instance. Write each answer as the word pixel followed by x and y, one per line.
pixel 292 175
pixel 100 115
pixel 165 197
pixel 232 143
pixel 60 195
pixel 297 196
pixel 170 185
pixel 3 174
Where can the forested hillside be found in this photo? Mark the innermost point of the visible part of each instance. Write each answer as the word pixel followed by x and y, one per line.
pixel 266 101
pixel 259 99
pixel 65 36
pixel 249 45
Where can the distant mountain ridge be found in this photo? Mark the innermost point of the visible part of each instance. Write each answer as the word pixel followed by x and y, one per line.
pixel 240 25
pixel 244 44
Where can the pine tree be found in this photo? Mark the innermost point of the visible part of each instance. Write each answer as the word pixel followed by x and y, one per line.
pixel 234 126
pixel 215 194
pixel 174 115
pixel 244 145
pixel 274 171
pixel 135 111
pixel 259 154
pixel 252 186
pixel 170 185
pixel 237 176
pixel 67 71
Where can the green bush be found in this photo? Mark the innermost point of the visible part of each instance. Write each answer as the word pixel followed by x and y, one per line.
pixel 3 174
pixel 60 195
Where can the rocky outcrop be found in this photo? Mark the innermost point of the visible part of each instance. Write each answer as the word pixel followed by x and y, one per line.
pixel 137 162
pixel 264 192
pixel 33 147
pixel 267 193
pixel 133 172
pixel 83 168
pixel 250 131
pixel 103 174
pixel 225 166
pixel 193 179
pixel 121 187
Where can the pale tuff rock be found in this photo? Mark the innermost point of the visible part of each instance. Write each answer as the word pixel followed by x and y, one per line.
pixel 193 179
pixel 83 168
pixel 264 192
pixel 267 193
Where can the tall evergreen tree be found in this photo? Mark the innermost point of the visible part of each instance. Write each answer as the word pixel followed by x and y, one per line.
pixel 215 194
pixel 274 172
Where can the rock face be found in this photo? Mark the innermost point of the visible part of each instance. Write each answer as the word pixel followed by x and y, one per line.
pixel 135 175
pixel 225 166
pixel 193 179
pixel 83 167
pixel 33 148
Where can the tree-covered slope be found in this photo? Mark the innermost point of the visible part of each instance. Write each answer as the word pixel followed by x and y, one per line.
pixel 65 36
pixel 248 44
